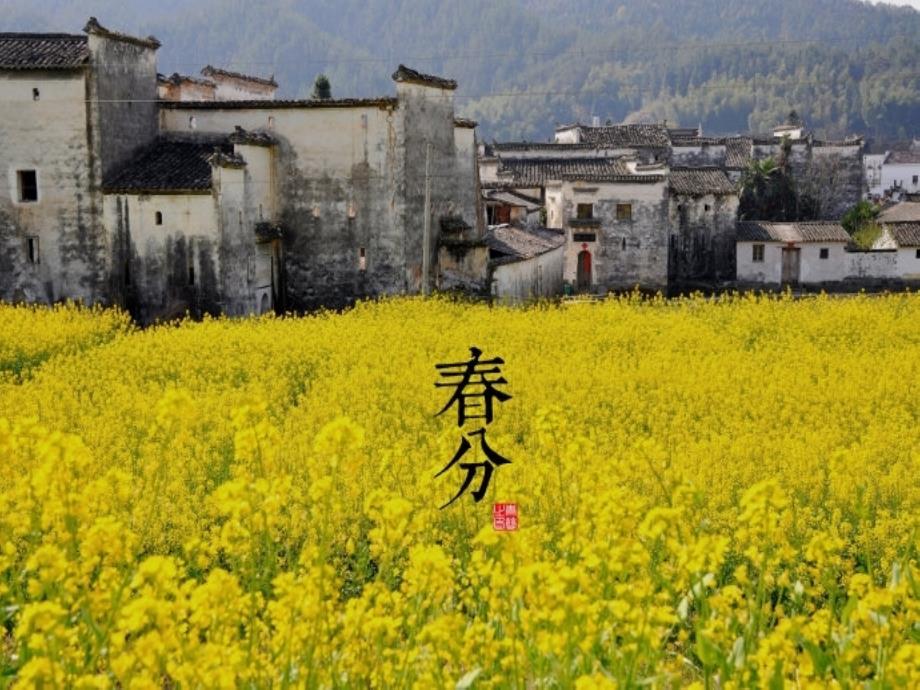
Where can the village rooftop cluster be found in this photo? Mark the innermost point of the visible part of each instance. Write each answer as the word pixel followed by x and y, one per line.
pixel 207 194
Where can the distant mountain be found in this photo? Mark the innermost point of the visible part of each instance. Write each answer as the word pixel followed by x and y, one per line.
pixel 523 65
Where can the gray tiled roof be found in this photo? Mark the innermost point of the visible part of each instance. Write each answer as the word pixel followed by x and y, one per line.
pixel 406 74
pixel 909 157
pixel 905 234
pixel 43 51
pixel 536 171
pixel 698 181
pixel 516 243
pixel 905 212
pixel 167 166
pixel 211 71
pixel 620 136
pixel 737 152
pixel 818 231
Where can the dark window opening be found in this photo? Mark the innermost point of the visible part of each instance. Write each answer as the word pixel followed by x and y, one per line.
pixel 158 218
pixel 35 94
pixel 707 207
pixel 191 275
pixel 585 212
pixel 584 237
pixel 624 211
pixel 916 179
pixel 127 272
pixel 32 249
pixel 824 253
pixel 623 244
pixel 27 181
pixel 757 254
pixel 918 254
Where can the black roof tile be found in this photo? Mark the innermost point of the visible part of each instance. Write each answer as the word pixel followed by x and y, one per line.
pixel 43 51
pixel 699 181
pixel 168 166
pixel 406 74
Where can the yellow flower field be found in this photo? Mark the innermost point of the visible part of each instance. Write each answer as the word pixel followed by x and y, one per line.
pixel 718 494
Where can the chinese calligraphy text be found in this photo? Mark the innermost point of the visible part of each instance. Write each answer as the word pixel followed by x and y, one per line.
pixel 476 385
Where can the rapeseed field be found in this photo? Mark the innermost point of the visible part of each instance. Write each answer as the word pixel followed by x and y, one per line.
pixel 711 494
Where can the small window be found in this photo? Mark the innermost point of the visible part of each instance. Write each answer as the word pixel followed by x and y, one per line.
pixel 624 211
pixel 757 255
pixel 584 237
pixel 27 184
pixel 362 259
pixel 191 274
pixel 623 244
pixel 36 94
pixel 192 122
pixel 352 211
pixel 127 273
pixel 271 122
pixel 824 253
pixel 32 250
pixel 916 179
pixel 158 218
pixel 707 207
pixel 585 211
pixel 917 255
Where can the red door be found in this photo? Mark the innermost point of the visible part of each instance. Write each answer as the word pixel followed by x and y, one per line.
pixel 583 276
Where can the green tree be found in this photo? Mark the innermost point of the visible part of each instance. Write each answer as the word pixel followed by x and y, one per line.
pixel 322 89
pixel 860 221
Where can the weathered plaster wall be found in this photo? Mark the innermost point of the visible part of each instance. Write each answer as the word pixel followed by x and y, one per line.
pixel 336 188
pixel 48 135
pixel 698 155
pixel 769 271
pixel 627 252
pixel 231 89
pixel 539 276
pixel 152 261
pixel 874 264
pixel 122 95
pixel 814 269
pixel 703 234
pixel 909 263
pixel 468 196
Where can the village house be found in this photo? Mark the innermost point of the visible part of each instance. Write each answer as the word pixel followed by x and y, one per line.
pixel 777 254
pixel 831 172
pixel 218 198
pixel 894 174
pixel 629 218
pixel 901 232
pixel 525 263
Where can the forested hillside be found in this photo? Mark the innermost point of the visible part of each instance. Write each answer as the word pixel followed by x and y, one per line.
pixel 524 64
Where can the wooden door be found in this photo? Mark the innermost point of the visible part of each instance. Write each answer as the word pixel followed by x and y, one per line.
pixel 791 258
pixel 583 275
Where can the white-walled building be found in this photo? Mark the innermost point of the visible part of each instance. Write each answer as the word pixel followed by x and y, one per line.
pixel 901 233
pixel 525 263
pixel 218 204
pixel 791 253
